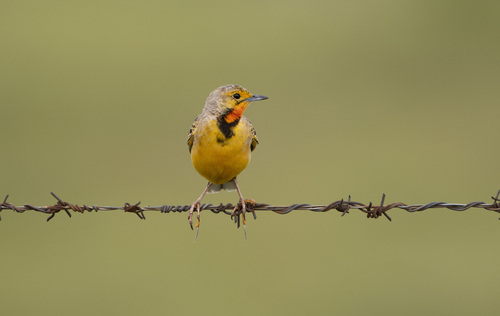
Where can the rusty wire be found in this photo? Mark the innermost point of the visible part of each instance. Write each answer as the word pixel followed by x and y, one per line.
pixel 371 211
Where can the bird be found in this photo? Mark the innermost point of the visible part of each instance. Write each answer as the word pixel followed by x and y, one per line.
pixel 220 142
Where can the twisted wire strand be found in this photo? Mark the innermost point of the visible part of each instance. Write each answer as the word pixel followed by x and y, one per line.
pixel 371 210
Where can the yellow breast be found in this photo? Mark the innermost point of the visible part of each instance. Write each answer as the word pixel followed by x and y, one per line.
pixel 219 159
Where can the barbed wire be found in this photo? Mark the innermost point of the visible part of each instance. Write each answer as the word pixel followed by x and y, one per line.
pixel 343 206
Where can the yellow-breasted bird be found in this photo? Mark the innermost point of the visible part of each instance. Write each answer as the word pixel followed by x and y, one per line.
pixel 221 140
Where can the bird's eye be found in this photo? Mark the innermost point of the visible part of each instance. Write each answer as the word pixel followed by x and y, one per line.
pixel 236 96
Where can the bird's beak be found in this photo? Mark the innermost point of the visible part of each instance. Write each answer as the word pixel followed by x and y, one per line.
pixel 256 98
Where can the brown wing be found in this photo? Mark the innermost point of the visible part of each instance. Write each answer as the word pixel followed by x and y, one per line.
pixel 192 130
pixel 255 140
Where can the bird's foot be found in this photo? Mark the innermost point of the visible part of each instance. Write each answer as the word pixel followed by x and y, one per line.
pixel 241 209
pixel 195 205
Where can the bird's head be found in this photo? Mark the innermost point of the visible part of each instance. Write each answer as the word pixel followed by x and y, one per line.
pixel 230 101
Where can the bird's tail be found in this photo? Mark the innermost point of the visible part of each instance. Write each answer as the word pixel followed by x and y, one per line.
pixel 229 186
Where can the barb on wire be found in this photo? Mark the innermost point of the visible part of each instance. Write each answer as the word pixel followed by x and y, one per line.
pixel 342 206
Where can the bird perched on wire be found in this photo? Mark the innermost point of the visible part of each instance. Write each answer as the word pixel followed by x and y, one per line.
pixel 220 141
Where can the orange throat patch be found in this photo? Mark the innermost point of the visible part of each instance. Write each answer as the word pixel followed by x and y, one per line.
pixel 236 113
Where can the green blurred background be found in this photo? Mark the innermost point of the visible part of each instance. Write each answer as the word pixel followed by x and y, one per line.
pixel 365 97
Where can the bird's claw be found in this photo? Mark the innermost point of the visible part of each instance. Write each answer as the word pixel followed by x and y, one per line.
pixel 241 208
pixel 190 216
